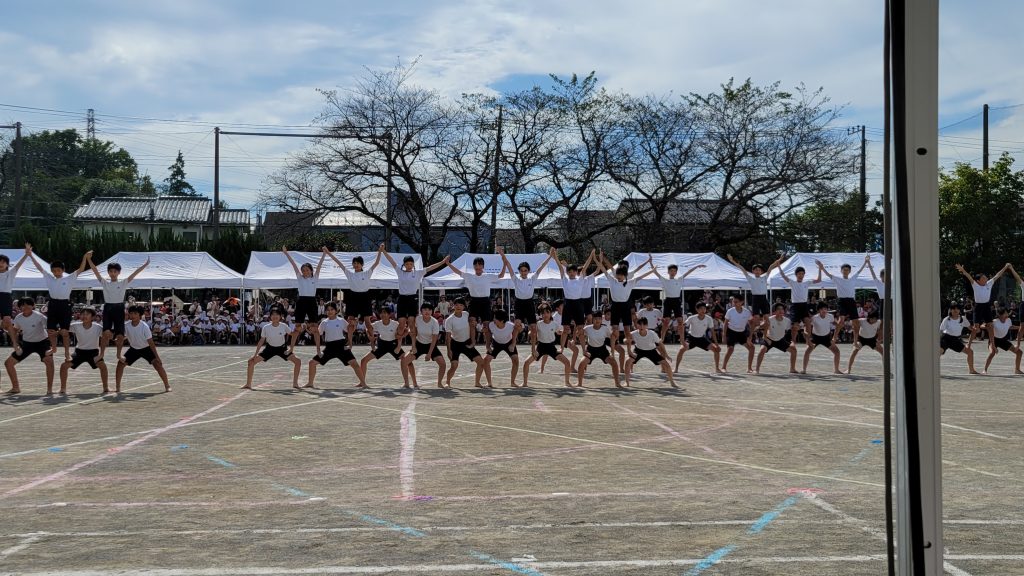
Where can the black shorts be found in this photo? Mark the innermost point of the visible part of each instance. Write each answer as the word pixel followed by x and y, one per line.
pixel 480 308
pixel 622 313
pixel 848 308
pixel 457 349
pixel 825 340
pixel 598 353
pixel 269 352
pixel 869 342
pixel 526 311
pixel 672 308
pixel 335 349
pixel 547 349
pixel 134 354
pixel 733 337
pixel 652 355
pixel 113 318
pixel 408 305
pixel 306 310
pixel 1003 343
pixel 357 304
pixel 58 315
pixel 982 312
pixel 695 342
pixel 6 305
pixel 30 348
pixel 759 305
pixel 950 342
pixel 782 345
pixel 422 349
pixel 82 356
pixel 800 312
pixel 573 313
pixel 385 347
pixel 508 348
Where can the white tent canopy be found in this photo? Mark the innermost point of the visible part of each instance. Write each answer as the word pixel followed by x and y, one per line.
pixel 833 261
pixel 272 269
pixel 446 278
pixel 717 274
pixel 175 270
pixel 29 277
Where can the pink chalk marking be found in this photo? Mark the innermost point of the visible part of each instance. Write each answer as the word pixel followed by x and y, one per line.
pixel 218 504
pixel 112 451
pixel 706 449
pixel 407 455
pixel 804 491
pixel 540 406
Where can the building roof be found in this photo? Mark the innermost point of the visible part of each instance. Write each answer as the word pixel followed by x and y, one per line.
pixel 177 209
pixel 684 211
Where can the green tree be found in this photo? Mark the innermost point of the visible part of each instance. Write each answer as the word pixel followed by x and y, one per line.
pixel 980 221
pixel 176 184
pixel 832 224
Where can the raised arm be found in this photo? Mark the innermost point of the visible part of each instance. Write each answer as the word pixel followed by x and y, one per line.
pixel 737 264
pixel 871 269
pixel 505 264
pixel 32 255
pixel 436 265
pixel 554 254
pixel 20 262
pixel 376 262
pixel 542 266
pixel 391 260
pixel 295 267
pixel 654 268
pixel 133 274
pixel 966 274
pixel 320 263
pixel 456 270
pixel 1000 273
pixel 338 262
pixel 867 259
pixel 783 274
pixel 776 264
pixel 821 270
pixel 96 270
pixel 1012 271
pixel 586 264
pixel 85 262
pixel 694 269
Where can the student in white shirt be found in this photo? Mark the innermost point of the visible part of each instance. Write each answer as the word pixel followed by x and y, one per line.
pixel 952 328
pixel 140 345
pixel 113 300
pixel 737 331
pixel 457 339
pixel 846 292
pixel 525 309
pixel 556 314
pixel 981 284
pixel 409 281
pixel 88 350
pixel 479 285
pixel 757 279
pixel 672 308
pixel 1020 306
pixel 306 307
pixel 59 285
pixel 999 339
pixel 777 336
pixel 576 289
pixel 7 277
pixel 645 346
pixel 357 296
pixel 548 330
pixel 30 338
pixel 597 335
pixel 427 334
pixel 879 282
pixel 332 335
pixel 867 337
pixel 274 342
pixel 800 313
pixel 385 341
pixel 504 335
pixel 697 327
pixel 821 335
pixel 621 287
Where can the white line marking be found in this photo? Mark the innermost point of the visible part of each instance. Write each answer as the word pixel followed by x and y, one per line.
pixel 407 456
pixel 25 543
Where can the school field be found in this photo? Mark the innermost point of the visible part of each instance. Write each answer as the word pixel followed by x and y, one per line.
pixel 769 474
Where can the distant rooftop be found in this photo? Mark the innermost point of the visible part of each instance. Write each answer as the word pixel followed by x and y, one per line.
pixel 170 209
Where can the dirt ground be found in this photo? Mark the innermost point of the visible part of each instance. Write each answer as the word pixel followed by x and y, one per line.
pixel 737 474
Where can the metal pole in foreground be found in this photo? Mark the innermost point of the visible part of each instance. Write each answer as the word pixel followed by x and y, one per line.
pixel 216 183
pixel 915 45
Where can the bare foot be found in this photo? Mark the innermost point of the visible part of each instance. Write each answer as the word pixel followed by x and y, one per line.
pixel 246 387
pixel 838 372
pixel 1018 372
pixel 478 385
pixel 794 372
pixel 674 385
pixel 314 387
pixel 167 388
pixel 296 386
pixel 975 372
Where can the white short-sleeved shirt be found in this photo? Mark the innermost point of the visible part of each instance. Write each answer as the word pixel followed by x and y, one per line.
pixel 698 327
pixel 386 331
pixel 738 319
pixel 501 335
pixel 7 280
pixel 275 336
pixel 845 287
pixel 113 291
pixel 524 286
pixel 556 317
pixel 758 284
pixel 458 326
pixel 333 330
pixel 672 287
pixel 880 288
pixel 982 294
pixel 620 290
pixel 954 327
pixel 86 338
pixel 652 316
pixel 870 329
pixel 425 331
pixel 60 288
pixel 33 326
pixel 822 326
pixel 307 286
pixel 479 286
pixel 778 329
pixel 547 332
pixel 647 341
pixel 798 291
pixel 358 281
pixel 138 336
pixel 576 288
pixel 597 336
pixel 999 328
pixel 409 282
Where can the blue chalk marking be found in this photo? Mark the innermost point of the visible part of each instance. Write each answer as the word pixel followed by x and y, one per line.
pixel 876 441
pixel 844 389
pixel 179 447
pixel 223 463
pixel 769 517
pixel 511 566
pixel 387 524
pixel 292 491
pixel 56 449
pixel 712 559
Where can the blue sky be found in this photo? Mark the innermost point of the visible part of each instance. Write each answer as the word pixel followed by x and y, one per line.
pixel 139 64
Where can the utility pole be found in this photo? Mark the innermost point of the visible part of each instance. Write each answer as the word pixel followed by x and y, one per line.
pixel 90 124
pixel 984 138
pixel 18 154
pixel 390 206
pixel 862 233
pixel 496 182
pixel 216 183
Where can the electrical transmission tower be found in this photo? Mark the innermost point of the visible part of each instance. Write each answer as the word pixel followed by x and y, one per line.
pixel 90 124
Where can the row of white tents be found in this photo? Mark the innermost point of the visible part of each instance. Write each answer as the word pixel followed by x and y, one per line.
pixel 271 270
